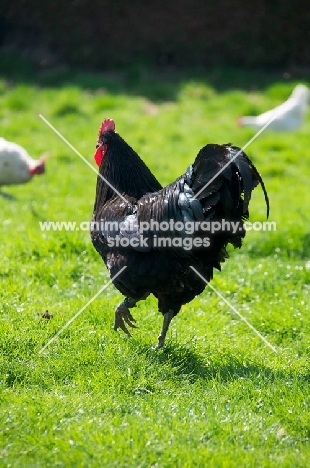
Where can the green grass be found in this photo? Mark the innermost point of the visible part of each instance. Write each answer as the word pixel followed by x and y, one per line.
pixel 216 396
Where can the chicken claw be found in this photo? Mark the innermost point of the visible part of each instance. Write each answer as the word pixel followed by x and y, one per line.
pixel 122 315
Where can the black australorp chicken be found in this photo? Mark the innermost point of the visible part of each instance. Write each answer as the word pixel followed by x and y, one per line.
pixel 159 233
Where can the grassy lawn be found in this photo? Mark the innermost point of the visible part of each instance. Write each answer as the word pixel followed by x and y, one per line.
pixel 216 396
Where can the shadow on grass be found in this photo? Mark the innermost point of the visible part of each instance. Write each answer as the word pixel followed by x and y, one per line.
pixel 156 84
pixel 220 367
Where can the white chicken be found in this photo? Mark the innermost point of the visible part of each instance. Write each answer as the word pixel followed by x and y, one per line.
pixel 290 114
pixel 16 166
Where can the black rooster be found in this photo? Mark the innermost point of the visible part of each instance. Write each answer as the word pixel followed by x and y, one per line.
pixel 159 233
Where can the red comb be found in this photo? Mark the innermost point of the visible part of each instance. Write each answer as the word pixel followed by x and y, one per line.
pixel 108 125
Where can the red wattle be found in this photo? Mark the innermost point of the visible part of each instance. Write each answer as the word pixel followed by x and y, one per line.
pixel 98 155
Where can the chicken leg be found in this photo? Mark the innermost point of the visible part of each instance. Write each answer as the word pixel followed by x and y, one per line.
pixel 123 315
pixel 168 316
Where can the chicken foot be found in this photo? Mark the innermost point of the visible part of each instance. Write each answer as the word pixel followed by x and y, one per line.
pixel 168 316
pixel 123 315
